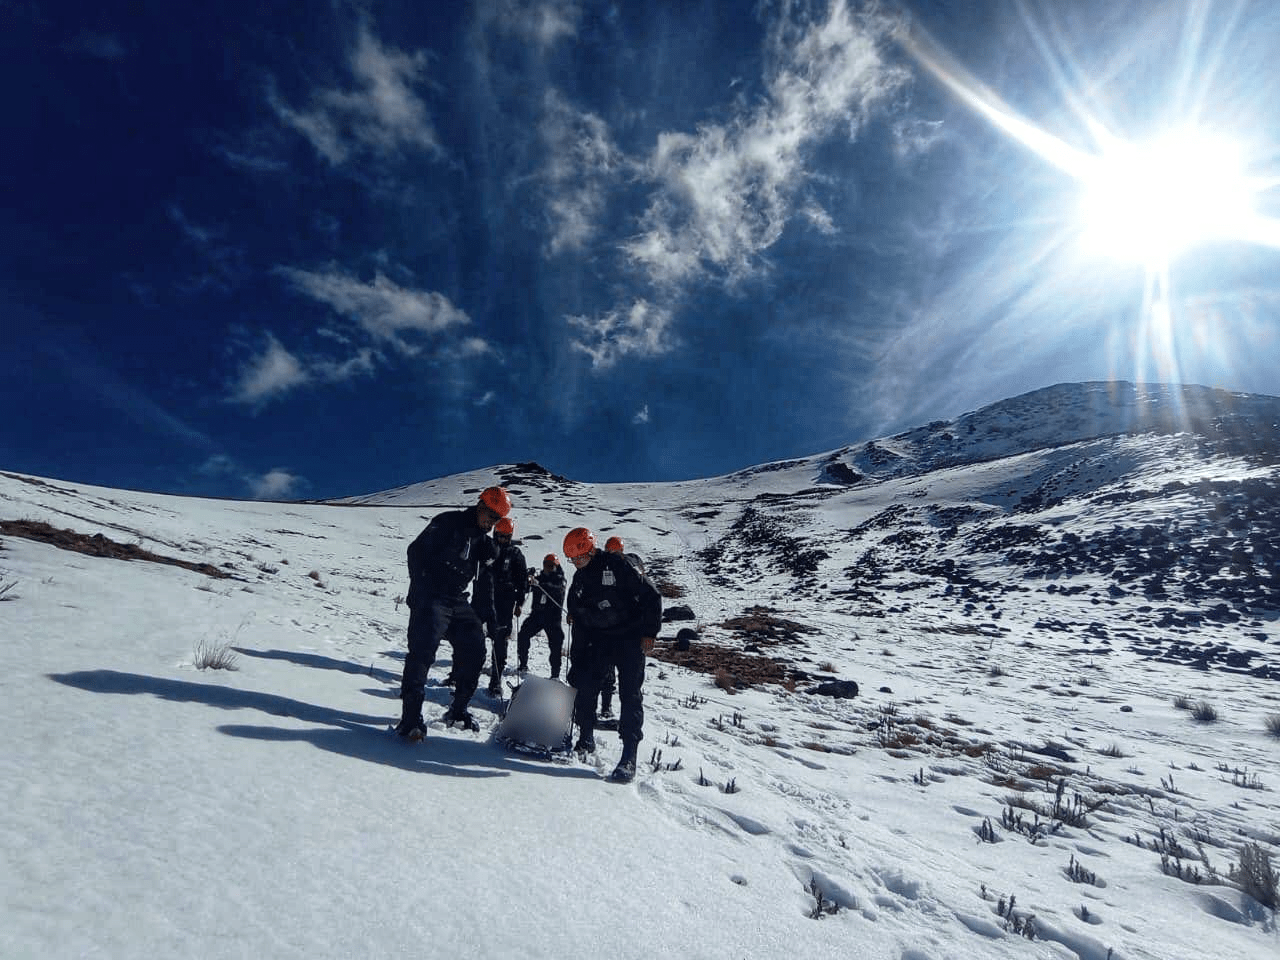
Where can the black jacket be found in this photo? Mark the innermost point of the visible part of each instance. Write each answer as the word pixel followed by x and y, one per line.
pixel 509 575
pixel 447 556
pixel 611 599
pixel 550 603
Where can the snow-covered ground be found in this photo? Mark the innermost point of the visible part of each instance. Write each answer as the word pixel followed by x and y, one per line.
pixel 1014 780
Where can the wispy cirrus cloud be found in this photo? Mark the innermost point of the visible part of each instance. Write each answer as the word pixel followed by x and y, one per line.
pixel 582 160
pixel 724 193
pixel 642 329
pixel 223 261
pixel 385 310
pixel 380 111
pixel 543 22
pixel 381 320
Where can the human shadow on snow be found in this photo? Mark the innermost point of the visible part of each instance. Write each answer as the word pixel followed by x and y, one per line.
pixel 439 753
pixel 357 735
pixel 320 661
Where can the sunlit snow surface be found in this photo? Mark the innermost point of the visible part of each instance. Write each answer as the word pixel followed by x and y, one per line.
pixel 152 809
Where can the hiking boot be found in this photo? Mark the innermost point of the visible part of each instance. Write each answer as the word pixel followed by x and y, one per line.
pixel 412 729
pixel 586 744
pixel 460 719
pixel 522 669
pixel 624 772
pixel 606 712
pixel 495 687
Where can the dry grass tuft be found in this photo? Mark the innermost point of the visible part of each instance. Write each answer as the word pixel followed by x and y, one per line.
pixel 210 655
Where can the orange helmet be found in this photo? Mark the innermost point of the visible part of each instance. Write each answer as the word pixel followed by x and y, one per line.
pixel 497 500
pixel 614 545
pixel 504 527
pixel 579 542
pixel 552 559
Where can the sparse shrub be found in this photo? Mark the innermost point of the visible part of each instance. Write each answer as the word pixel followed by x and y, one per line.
pixel 1174 867
pixel 1181 703
pixel 822 906
pixel 826 666
pixel 210 655
pixel 1205 712
pixel 657 765
pixel 724 680
pixel 995 670
pixel 1272 723
pixel 1112 751
pixel 1078 874
pixel 1256 877
pixel 5 589
pixel 670 589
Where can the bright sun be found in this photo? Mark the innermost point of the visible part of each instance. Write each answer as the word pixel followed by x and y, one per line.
pixel 1150 203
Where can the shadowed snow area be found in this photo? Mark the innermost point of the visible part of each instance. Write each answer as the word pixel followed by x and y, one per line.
pixel 1060 612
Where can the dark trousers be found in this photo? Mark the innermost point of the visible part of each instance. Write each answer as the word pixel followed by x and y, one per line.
pixel 608 684
pixel 505 607
pixel 593 658
pixel 555 637
pixel 430 622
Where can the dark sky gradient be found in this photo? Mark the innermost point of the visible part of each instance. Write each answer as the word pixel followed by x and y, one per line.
pixel 320 249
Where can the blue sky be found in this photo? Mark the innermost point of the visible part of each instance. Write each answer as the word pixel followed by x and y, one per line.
pixel 320 249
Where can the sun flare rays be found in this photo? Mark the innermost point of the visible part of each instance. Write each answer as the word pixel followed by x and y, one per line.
pixel 1157 201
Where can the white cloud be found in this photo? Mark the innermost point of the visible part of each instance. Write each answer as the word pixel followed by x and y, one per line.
pixel 542 21
pixel 643 330
pixel 362 363
pixel 272 373
pixel 581 159
pixel 380 111
pixel 275 484
pixel 380 311
pixel 913 137
pixel 726 192
pixel 819 219
pixel 642 415
pixel 218 465
pixel 382 308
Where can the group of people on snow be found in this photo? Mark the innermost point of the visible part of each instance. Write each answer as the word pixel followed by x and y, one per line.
pixel 613 609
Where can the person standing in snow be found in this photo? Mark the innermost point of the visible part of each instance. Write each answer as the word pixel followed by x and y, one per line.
pixel 443 561
pixel 510 581
pixel 609 683
pixel 546 607
pixel 616 614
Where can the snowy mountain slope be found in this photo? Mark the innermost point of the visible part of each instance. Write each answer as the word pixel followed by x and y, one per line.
pixel 1020 611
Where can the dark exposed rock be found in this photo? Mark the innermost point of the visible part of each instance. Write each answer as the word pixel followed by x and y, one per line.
pixel 840 689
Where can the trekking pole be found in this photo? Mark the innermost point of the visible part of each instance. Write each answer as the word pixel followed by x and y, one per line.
pixel 548 596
